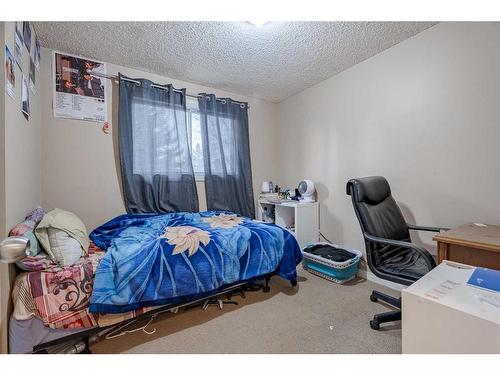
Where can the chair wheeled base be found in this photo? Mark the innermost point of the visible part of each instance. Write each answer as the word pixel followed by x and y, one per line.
pixel 390 316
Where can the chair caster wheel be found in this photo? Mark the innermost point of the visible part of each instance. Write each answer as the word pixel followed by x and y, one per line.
pixel 266 289
pixel 374 325
pixel 373 298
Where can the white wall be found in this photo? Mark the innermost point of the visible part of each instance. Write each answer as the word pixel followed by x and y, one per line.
pixel 21 162
pixel 3 229
pixel 22 143
pixel 4 271
pixel 80 170
pixel 425 114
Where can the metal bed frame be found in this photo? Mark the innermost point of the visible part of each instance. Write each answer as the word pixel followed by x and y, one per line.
pixel 79 342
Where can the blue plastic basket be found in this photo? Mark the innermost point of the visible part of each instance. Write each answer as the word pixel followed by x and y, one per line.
pixel 338 272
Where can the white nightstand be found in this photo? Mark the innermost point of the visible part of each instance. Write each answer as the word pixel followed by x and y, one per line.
pixel 302 218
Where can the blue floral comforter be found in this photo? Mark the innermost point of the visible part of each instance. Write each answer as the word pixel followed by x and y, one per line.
pixel 156 259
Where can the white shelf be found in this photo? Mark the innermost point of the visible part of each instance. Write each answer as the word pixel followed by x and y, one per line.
pixel 301 218
pixel 288 203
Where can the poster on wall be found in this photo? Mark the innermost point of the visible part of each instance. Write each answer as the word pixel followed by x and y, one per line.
pixel 78 89
pixel 25 98
pixel 18 51
pixel 32 76
pixel 38 51
pixel 10 77
pixel 27 35
pixel 19 29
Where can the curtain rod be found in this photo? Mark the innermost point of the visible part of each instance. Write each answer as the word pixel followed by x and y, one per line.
pixel 115 77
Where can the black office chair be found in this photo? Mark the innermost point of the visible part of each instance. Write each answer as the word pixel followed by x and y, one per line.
pixel 389 251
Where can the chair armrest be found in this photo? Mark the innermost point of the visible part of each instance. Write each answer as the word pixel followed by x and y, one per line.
pixel 429 260
pixel 428 229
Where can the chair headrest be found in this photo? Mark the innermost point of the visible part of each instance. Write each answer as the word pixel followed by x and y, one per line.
pixel 371 190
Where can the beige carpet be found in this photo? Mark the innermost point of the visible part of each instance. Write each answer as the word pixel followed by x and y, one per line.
pixel 316 317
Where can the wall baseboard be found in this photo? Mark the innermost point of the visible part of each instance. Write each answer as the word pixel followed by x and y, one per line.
pixel 368 275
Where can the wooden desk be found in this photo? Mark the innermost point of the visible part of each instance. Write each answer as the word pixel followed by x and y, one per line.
pixel 470 244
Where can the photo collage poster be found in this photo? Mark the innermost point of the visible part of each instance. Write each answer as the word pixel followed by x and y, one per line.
pixel 10 76
pixel 26 47
pixel 18 46
pixel 25 98
pixel 27 35
pixel 32 76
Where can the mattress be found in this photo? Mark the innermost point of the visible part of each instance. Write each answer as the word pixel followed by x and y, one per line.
pixel 157 259
pixel 56 295
pixel 52 301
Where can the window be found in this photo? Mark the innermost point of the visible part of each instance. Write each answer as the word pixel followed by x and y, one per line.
pixel 157 153
pixel 221 139
pixel 195 141
pixel 152 122
pixel 217 127
pixel 156 138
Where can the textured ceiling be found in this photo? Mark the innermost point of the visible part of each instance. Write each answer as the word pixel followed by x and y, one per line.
pixel 272 62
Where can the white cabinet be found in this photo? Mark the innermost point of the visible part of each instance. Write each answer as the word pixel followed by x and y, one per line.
pixel 302 218
pixel 441 313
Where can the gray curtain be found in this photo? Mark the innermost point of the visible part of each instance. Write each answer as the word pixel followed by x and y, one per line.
pixel 157 172
pixel 226 151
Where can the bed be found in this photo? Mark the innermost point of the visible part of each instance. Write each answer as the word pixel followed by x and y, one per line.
pixel 51 302
pixel 140 265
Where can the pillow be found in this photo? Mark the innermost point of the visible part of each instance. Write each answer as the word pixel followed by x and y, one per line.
pixel 39 262
pixel 65 248
pixel 25 229
pixel 64 252
pixel 36 215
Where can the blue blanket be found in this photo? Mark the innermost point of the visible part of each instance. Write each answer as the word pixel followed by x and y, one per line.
pixel 156 259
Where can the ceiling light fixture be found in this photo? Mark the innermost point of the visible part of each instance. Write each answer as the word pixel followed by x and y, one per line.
pixel 258 23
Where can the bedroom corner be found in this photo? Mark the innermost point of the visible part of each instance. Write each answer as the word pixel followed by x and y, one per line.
pixel 21 151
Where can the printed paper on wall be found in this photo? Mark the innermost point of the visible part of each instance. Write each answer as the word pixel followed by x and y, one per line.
pixel 10 77
pixel 79 89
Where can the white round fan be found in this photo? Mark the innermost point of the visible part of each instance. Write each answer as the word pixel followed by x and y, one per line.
pixel 306 189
